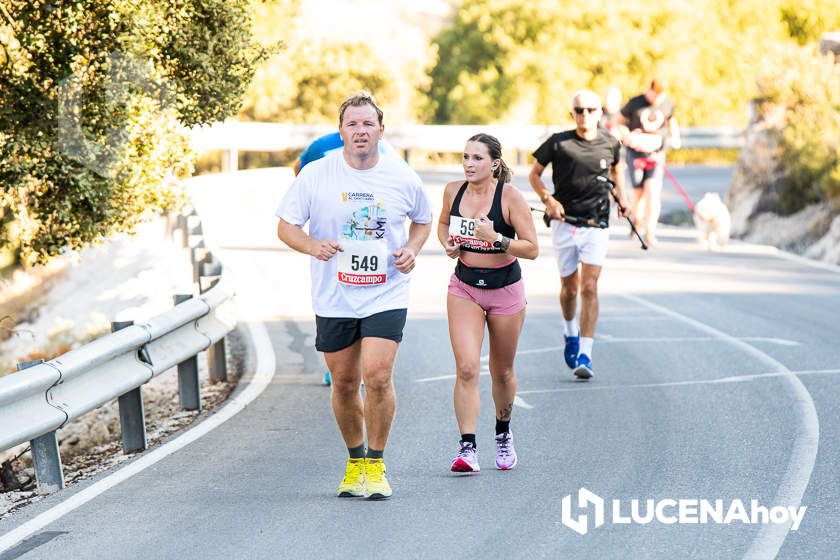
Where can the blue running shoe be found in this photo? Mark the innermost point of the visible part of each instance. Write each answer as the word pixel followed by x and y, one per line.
pixel 584 367
pixel 570 352
pixel 327 380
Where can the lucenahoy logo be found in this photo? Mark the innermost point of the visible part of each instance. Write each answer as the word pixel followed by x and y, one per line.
pixel 687 511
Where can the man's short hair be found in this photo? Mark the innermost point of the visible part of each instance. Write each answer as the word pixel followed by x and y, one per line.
pixel 358 99
pixel 585 93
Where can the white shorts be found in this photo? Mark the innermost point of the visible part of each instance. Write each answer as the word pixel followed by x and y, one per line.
pixel 574 245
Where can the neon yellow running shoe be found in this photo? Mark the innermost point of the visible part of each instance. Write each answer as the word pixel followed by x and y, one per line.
pixel 376 485
pixel 353 484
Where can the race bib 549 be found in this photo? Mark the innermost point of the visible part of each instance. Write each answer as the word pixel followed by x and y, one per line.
pixel 363 263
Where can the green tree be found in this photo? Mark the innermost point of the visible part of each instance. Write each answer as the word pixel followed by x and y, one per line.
pixel 333 71
pixel 485 60
pixel 95 97
pixel 320 68
pixel 806 20
pixel 521 60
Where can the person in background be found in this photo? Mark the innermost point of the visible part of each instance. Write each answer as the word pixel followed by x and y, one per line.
pixel 331 143
pixel 611 113
pixel 610 121
pixel 653 126
pixel 583 160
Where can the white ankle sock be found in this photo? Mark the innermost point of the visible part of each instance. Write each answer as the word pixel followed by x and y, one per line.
pixel 570 327
pixel 586 346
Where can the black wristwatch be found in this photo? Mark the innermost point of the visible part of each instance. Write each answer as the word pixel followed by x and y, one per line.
pixel 501 242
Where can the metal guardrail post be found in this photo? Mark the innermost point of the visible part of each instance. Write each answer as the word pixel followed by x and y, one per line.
pixel 35 404
pixel 45 454
pixel 185 234
pixel 211 268
pixel 168 225
pixel 198 256
pixel 132 414
pixel 216 355
pixel 230 160
pixel 189 390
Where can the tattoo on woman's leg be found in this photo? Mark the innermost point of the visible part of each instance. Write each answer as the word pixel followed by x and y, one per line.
pixel 505 413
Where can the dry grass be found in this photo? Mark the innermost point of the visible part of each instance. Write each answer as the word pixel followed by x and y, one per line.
pixel 21 293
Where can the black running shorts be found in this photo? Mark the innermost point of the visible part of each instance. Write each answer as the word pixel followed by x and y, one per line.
pixel 336 333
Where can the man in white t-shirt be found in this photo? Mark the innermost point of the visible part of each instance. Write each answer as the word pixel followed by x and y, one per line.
pixel 357 202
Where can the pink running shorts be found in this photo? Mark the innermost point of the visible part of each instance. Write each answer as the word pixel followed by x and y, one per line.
pixel 508 300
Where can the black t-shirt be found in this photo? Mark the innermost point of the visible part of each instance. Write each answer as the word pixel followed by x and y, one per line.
pixel 641 115
pixel 579 169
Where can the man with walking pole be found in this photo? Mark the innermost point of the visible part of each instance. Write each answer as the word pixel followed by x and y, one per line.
pixel 583 161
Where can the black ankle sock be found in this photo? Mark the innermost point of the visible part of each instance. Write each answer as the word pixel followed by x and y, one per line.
pixel 374 454
pixel 502 426
pixel 469 438
pixel 357 452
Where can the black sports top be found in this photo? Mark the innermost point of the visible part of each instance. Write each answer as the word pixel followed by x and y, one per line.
pixel 494 214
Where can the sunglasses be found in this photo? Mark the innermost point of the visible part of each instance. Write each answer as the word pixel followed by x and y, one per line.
pixel 590 110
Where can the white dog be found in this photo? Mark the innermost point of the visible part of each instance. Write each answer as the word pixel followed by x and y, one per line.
pixel 712 220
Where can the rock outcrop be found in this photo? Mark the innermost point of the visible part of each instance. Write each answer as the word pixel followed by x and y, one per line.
pixel 830 43
pixel 753 197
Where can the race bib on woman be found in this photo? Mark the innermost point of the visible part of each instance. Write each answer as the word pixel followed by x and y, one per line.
pixel 462 232
pixel 363 262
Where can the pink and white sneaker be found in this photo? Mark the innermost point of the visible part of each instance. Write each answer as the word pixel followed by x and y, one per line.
pixel 466 461
pixel 505 453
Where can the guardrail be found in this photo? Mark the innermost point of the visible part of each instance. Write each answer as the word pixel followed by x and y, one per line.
pixel 234 136
pixel 46 396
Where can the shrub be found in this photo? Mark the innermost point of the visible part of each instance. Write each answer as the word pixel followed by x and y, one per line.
pixel 806 86
pixel 95 96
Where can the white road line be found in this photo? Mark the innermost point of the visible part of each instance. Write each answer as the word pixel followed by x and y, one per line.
pixel 520 402
pixel 484 371
pixel 771 537
pixel 631 318
pixel 635 318
pixel 771 340
pixel 730 379
pixel 517 400
pixel 607 339
pixel 265 364
pixel 436 378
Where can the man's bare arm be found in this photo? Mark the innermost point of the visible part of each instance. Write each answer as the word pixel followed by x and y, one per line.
pixel 297 239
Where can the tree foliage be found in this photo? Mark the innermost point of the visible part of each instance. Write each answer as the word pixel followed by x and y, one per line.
pixel 320 68
pixel 95 96
pixel 806 87
pixel 335 70
pixel 503 60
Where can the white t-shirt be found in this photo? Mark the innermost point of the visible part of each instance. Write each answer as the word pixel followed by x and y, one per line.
pixel 365 211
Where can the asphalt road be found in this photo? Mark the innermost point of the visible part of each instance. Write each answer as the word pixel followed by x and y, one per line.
pixel 695 181
pixel 714 380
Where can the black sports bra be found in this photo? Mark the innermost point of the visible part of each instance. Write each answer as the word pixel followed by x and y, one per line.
pixel 494 214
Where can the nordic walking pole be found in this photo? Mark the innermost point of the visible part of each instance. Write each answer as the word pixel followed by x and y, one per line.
pixel 574 220
pixel 629 220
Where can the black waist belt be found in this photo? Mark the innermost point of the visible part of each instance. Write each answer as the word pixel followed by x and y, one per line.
pixel 488 278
